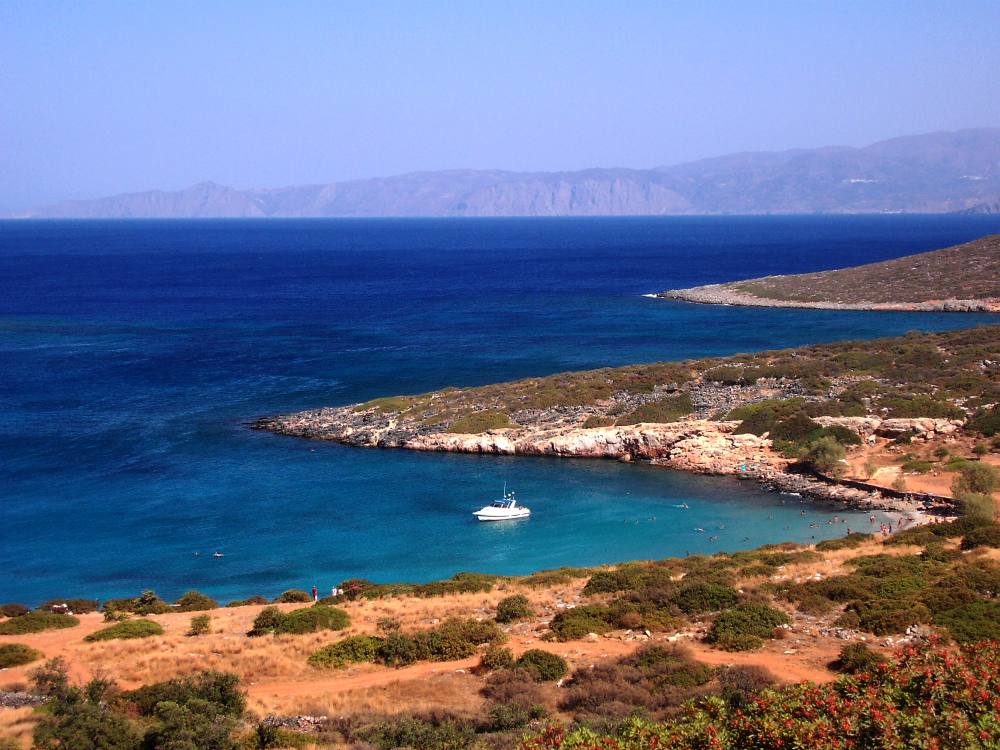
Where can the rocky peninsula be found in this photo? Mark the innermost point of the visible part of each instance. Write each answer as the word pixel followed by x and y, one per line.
pixel 962 278
pixel 752 416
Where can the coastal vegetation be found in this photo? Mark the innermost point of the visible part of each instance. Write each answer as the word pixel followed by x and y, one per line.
pixel 36 622
pixel 935 587
pixel 127 630
pixel 16 654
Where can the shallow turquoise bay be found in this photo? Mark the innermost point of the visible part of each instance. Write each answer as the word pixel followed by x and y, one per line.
pixel 132 354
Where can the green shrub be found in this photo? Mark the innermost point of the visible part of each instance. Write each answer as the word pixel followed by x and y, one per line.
pixel 16 654
pixel 36 622
pixel 256 599
pixel 293 596
pixel 851 541
pixel 986 422
pixel 543 665
pixel 889 616
pixel 696 598
pixel 917 466
pixel 975 621
pixel 355 649
pixel 313 619
pixel 512 608
pixel 826 454
pixel 218 691
pixel 503 717
pixel 595 420
pixel 13 610
pixel 976 505
pixel 984 536
pixel 977 478
pixel 75 606
pixel 434 733
pixel 571 624
pixel 497 657
pixel 857 657
pixel 147 603
pixel 267 621
pixel 480 421
pixel 200 625
pixel 305 620
pixel 195 601
pixel 127 630
pixel 668 409
pixel 743 627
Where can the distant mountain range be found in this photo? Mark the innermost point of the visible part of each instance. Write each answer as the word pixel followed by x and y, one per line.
pixel 933 173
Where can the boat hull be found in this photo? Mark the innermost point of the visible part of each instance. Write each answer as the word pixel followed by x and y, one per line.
pixel 507 517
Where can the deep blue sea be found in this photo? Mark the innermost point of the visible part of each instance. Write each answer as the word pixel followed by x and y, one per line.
pixel 132 354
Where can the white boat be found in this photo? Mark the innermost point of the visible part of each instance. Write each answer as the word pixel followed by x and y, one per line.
pixel 506 509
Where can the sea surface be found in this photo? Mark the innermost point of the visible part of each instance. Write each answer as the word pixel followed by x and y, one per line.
pixel 132 355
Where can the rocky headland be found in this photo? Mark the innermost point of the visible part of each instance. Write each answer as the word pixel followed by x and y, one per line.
pixel 752 416
pixel 963 278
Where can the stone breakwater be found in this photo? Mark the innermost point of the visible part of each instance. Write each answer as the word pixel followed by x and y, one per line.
pixel 725 294
pixel 698 446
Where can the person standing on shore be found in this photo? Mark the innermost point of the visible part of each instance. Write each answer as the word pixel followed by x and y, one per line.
pixel 315 594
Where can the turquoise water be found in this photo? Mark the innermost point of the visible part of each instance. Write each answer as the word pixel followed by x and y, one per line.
pixel 132 355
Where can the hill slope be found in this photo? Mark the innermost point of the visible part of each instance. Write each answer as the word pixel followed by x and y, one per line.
pixel 960 278
pixel 935 172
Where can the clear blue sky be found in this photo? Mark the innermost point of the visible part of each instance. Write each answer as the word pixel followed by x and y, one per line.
pixel 106 97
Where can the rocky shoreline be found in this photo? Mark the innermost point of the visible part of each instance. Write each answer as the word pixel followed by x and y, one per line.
pixel 695 445
pixel 727 294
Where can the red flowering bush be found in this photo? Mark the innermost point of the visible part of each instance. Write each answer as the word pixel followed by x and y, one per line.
pixel 929 698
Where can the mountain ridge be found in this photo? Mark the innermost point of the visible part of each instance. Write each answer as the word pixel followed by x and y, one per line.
pixel 940 172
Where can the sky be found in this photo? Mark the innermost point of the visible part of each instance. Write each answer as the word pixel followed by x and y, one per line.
pixel 99 98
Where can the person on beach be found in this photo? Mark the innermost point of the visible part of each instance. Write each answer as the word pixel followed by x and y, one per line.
pixel 315 594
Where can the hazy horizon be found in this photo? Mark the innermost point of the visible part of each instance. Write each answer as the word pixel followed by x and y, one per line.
pixel 110 98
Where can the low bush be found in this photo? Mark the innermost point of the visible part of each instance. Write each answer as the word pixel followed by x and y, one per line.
pixel 738 685
pixel 305 620
pixel 508 686
pixel 696 598
pixel 480 421
pixel 256 599
pixel 147 603
pixel 355 649
pixel 453 639
pixel 544 666
pixel 513 608
pixel 889 616
pixel 976 477
pixel 986 421
pixel 293 596
pixel 313 619
pixel 978 505
pixel 127 630
pixel 857 657
pixel 668 409
pixel 917 466
pixel 195 601
pixel 75 606
pixel 851 541
pixel 36 622
pixel 200 625
pixel 219 690
pixel 13 610
pixel 503 717
pixel 16 654
pixel 571 624
pixel 984 536
pixel 975 621
pixel 496 658
pixel 430 733
pixel 744 627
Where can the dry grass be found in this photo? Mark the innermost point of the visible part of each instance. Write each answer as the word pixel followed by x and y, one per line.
pixel 17 724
